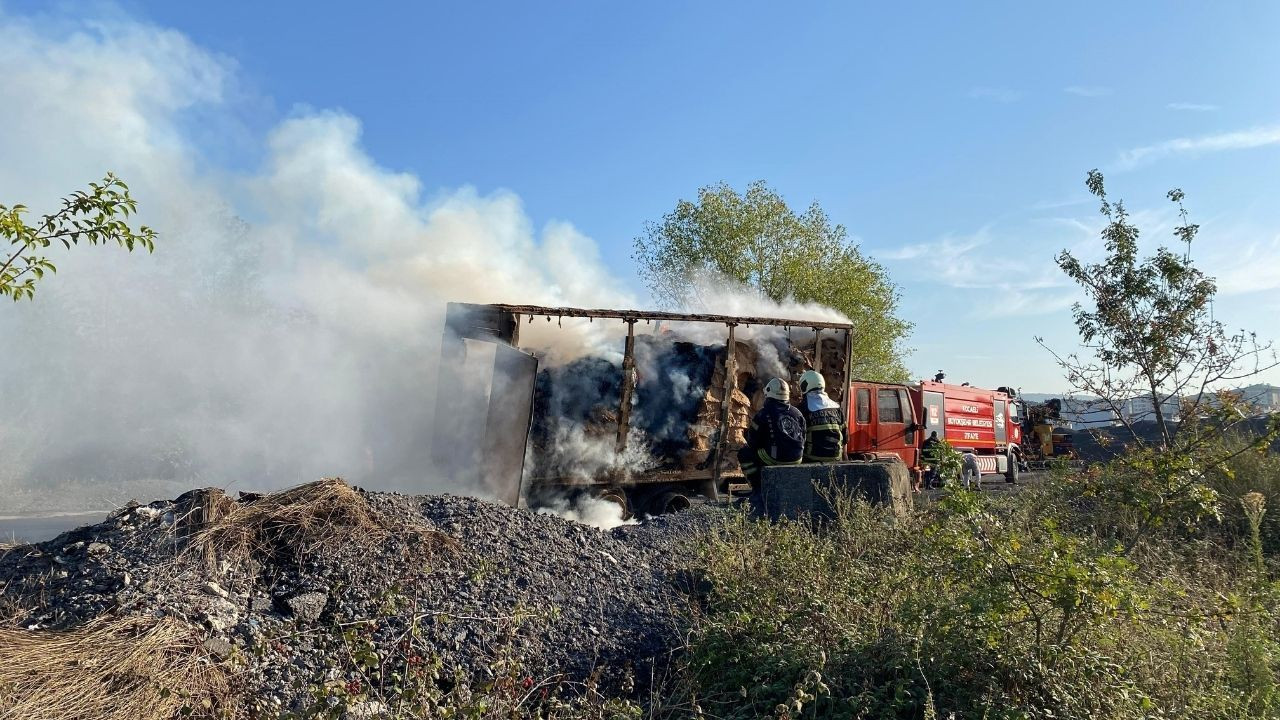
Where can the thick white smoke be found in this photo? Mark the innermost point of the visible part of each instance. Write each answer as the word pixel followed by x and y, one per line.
pixel 288 325
pixel 587 510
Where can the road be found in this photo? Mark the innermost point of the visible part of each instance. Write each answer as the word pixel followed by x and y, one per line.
pixel 36 528
pixel 996 485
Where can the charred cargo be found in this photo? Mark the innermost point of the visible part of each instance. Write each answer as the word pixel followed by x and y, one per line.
pixel 656 417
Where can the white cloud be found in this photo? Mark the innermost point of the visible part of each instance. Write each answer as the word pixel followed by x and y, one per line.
pixel 991 283
pixel 1090 91
pixel 1242 257
pixel 1015 301
pixel 1193 107
pixel 1089 229
pixel 1084 241
pixel 1244 267
pixel 999 94
pixel 1238 140
pixel 1057 204
pixel 949 249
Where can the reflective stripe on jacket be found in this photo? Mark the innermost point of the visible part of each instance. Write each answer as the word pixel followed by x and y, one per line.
pixel 826 431
pixel 777 434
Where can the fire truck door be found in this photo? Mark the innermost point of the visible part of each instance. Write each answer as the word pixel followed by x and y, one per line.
pixel 933 409
pixel 861 429
pixel 892 415
pixel 998 410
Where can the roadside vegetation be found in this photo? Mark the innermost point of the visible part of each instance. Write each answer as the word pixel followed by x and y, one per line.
pixel 726 240
pixel 994 606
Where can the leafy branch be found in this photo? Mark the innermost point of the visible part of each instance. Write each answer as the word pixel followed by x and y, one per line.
pixel 98 216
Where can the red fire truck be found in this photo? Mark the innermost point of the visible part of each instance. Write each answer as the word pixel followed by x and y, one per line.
pixel 887 419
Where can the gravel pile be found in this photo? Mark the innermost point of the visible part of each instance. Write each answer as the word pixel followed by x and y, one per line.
pixel 458 589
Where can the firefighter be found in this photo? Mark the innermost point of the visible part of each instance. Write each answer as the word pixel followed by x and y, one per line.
pixel 826 431
pixel 776 435
pixel 929 454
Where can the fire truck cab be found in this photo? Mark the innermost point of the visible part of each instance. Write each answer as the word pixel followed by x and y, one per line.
pixel 894 419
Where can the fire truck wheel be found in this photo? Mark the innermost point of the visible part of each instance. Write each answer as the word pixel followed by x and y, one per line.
pixel 1011 476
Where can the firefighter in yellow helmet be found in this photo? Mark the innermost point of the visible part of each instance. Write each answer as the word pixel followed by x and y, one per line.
pixel 776 435
pixel 826 430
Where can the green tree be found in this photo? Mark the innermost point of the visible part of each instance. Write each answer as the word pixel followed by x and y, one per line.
pixel 1148 331
pixel 1149 341
pixel 98 216
pixel 756 239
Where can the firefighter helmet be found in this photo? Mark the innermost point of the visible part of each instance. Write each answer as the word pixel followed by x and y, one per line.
pixel 778 390
pixel 812 380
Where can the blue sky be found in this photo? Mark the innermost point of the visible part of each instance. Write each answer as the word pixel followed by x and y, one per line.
pixel 952 140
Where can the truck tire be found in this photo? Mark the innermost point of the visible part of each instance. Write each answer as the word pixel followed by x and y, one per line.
pixel 1012 474
pixel 617 496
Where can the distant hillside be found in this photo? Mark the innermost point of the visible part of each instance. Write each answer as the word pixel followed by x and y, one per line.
pixel 1041 397
pixel 1090 450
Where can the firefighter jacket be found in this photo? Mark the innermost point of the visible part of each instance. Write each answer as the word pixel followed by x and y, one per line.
pixel 776 434
pixel 929 450
pixel 826 430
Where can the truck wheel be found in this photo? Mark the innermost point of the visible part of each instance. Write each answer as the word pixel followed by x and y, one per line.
pixel 617 496
pixel 1011 476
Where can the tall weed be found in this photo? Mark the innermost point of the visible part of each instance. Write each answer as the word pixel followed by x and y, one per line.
pixel 978 607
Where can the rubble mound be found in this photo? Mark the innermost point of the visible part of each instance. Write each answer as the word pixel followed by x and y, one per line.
pixel 325 595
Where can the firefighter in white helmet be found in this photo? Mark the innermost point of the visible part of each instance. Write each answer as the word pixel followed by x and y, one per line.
pixel 776 435
pixel 826 430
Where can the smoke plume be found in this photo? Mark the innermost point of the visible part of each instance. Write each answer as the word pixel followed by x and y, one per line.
pixel 288 325
pixel 587 510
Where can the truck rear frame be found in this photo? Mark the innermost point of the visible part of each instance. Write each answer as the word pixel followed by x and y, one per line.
pixel 658 489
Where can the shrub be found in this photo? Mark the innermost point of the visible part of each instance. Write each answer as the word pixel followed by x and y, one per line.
pixel 977 607
pixel 1252 471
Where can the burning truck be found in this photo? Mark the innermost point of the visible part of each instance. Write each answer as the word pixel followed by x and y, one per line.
pixel 662 419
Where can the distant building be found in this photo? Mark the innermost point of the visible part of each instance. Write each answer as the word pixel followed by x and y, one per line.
pixel 1142 409
pixel 1087 413
pixel 1264 399
pixel 1259 399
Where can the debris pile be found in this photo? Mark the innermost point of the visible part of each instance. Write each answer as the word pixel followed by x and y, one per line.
pixel 326 596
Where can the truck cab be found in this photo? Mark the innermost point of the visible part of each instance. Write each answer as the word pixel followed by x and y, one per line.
pixel 891 419
pixel 883 421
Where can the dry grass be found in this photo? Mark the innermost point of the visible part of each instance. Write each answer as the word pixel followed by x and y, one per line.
pixel 110 669
pixel 299 521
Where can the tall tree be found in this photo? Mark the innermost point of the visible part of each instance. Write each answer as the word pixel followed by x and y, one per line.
pixel 98 216
pixel 1149 338
pixel 756 239
pixel 1148 329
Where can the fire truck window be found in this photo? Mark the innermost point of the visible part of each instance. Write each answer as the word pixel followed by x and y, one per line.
pixel 864 405
pixel 890 407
